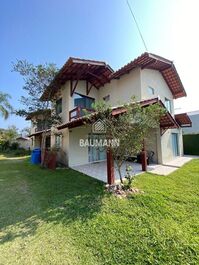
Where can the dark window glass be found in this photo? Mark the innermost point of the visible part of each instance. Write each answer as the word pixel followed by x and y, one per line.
pixel 59 106
pixel 83 101
pixel 48 142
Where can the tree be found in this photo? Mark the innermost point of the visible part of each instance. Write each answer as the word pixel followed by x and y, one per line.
pixel 7 136
pixel 26 131
pixel 129 128
pixel 5 107
pixel 36 81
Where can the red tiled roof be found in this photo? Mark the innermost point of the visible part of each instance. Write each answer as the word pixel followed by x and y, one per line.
pixel 167 121
pixel 155 62
pixel 98 73
pixel 183 120
pixel 95 72
pixel 38 133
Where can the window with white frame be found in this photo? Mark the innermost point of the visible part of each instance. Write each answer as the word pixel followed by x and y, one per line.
pixel 151 91
pixel 168 104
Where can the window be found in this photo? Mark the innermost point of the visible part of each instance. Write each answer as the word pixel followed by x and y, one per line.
pixel 58 140
pixel 168 104
pixel 48 141
pixel 59 106
pixel 151 91
pixel 83 101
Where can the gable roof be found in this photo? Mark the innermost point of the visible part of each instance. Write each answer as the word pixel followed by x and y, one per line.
pixel 155 62
pixel 95 72
pixel 98 73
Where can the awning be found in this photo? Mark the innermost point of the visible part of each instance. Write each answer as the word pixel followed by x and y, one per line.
pixel 183 120
pixel 166 122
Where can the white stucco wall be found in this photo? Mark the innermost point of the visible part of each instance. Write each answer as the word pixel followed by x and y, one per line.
pixel 78 155
pixel 152 143
pixel 121 90
pixel 135 83
pixel 166 145
pixel 154 79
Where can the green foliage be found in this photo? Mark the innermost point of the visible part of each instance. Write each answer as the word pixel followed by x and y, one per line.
pixel 78 223
pixel 36 81
pixel 14 146
pixel 129 177
pixel 130 128
pixel 5 107
pixel 191 144
pixel 7 136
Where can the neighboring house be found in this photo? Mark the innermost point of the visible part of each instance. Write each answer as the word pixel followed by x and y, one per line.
pixel 194 129
pixel 24 142
pixel 191 135
pixel 150 78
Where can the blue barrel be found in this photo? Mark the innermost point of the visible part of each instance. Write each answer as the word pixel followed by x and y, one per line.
pixel 36 156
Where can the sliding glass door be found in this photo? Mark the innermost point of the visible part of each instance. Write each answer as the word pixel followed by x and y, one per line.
pixel 96 153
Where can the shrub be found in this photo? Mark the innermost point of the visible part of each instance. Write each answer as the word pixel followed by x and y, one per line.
pixel 14 146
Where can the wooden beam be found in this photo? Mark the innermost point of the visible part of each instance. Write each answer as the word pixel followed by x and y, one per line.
pixel 110 168
pixel 72 88
pixel 148 64
pixel 88 88
pixel 97 77
pixel 144 157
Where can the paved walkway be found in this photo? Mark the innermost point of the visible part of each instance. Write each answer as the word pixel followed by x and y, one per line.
pixel 98 170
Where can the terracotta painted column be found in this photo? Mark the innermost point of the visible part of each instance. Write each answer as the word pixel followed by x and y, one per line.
pixel 110 168
pixel 144 157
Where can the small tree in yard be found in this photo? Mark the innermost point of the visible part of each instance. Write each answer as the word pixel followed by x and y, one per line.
pixel 36 80
pixel 7 136
pixel 130 127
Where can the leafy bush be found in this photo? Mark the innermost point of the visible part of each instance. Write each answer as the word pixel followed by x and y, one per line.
pixel 129 178
pixel 14 146
pixel 18 152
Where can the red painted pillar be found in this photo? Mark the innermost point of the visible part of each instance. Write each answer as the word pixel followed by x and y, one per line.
pixel 110 168
pixel 144 157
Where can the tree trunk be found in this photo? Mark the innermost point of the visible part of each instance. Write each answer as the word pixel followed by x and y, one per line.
pixel 119 165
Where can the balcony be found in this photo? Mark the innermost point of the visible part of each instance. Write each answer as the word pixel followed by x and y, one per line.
pixel 78 112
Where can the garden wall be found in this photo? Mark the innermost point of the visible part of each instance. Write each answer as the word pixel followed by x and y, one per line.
pixel 191 144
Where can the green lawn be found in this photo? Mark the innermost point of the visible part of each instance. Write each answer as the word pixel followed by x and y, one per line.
pixel 64 217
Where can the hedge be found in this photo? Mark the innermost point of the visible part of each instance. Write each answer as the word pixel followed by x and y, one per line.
pixel 191 144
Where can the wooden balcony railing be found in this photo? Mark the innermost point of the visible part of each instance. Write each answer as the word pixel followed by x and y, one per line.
pixel 78 112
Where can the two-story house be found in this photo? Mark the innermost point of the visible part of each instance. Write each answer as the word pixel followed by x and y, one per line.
pixel 150 78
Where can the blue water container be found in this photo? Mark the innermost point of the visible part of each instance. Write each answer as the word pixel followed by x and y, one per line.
pixel 36 156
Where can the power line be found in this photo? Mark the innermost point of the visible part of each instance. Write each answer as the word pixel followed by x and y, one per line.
pixel 142 38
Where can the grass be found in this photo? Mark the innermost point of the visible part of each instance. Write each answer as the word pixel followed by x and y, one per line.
pixel 64 217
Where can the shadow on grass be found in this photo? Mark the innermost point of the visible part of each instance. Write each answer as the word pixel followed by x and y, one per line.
pixel 31 196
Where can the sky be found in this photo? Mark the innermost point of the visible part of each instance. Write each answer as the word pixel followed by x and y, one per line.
pixel 43 31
